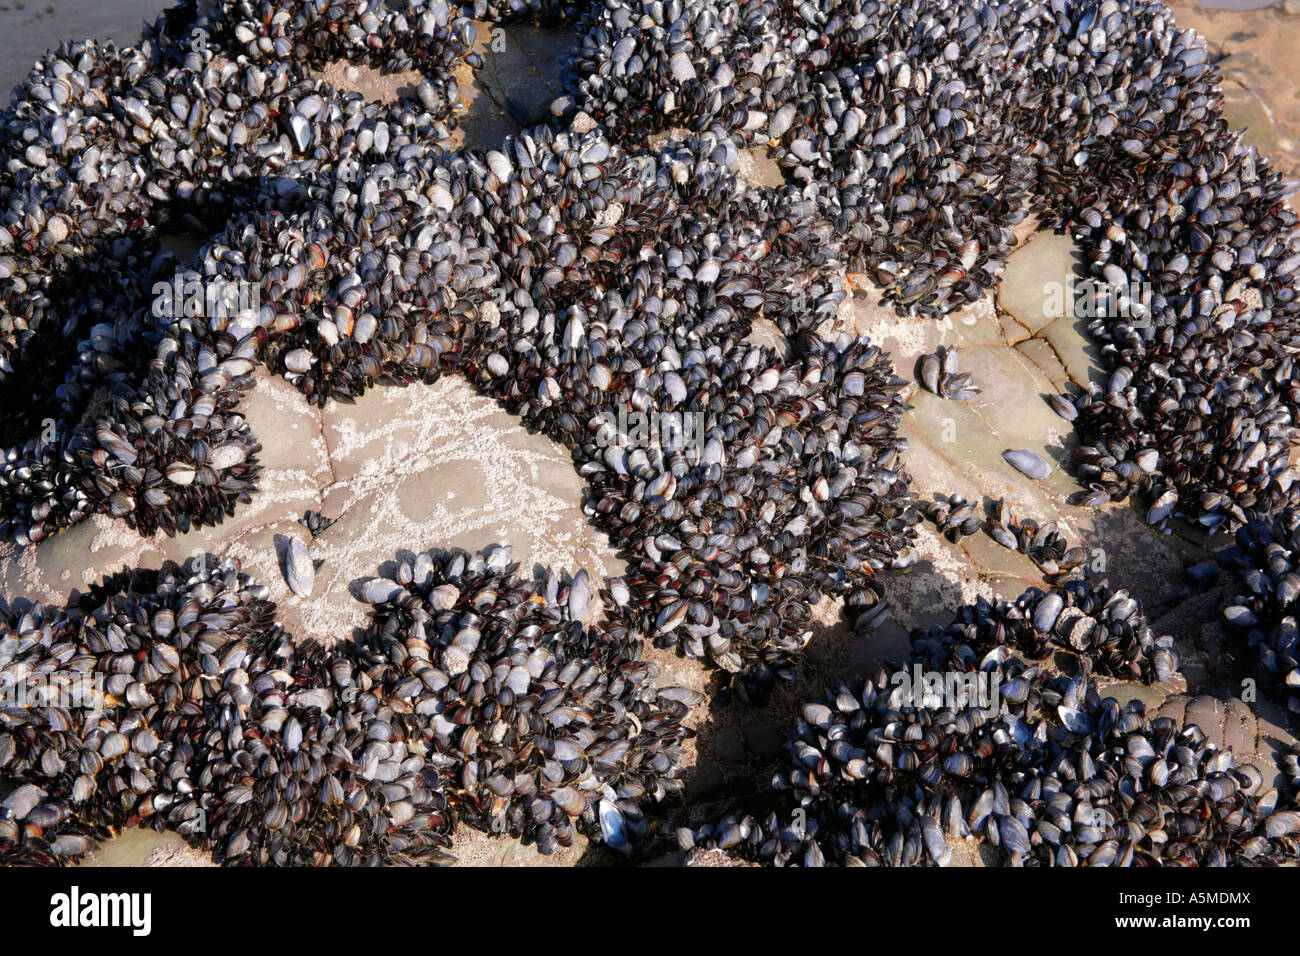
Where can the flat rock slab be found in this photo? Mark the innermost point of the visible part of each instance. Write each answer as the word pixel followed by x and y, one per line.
pixel 402 470
pixel 757 167
pixel 930 592
pixel 522 73
pixel 1244 109
pixel 1259 47
pixel 374 85
pixel 1044 357
pixel 907 338
pixel 1259 731
pixel 473 847
pixel 1075 350
pixel 1035 300
pixel 296 469
pixel 141 847
pixel 956 448
pixel 1152 696
pixel 1013 404
pixel 1228 724
pixel 1033 284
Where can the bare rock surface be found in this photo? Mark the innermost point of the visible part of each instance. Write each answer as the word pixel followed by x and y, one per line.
pixel 956 448
pixel 1026 292
pixel 1257 50
pixel 147 848
pixel 402 469
pixel 522 73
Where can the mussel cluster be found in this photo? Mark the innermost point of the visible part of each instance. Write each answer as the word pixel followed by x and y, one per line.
pixel 1045 544
pixel 914 136
pixel 1262 614
pixel 563 275
pixel 583 273
pixel 1103 630
pixel 172 699
pixel 117 409
pixel 927 131
pixel 1054 774
pixel 939 373
pixel 538 720
pixel 882 112
pixel 203 718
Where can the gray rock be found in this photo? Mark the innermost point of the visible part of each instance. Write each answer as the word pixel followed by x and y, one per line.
pixel 1033 288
